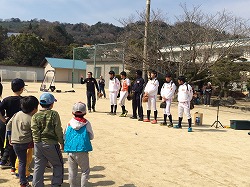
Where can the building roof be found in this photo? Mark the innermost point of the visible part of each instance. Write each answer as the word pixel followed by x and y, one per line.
pixel 66 63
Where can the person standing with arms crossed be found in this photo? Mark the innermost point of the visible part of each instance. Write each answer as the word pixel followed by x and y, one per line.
pixel 167 93
pixel 114 87
pixel 91 84
pixel 137 89
pixel 101 84
pixel 185 95
pixel 125 83
pixel 207 94
pixel 151 91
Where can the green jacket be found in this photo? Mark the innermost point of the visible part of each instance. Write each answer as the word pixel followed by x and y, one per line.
pixel 46 127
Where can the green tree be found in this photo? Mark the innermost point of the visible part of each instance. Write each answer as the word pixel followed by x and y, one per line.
pixel 26 49
pixel 226 71
pixel 3 37
pixel 80 53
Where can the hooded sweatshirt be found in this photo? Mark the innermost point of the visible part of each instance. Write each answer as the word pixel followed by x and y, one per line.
pixel 77 137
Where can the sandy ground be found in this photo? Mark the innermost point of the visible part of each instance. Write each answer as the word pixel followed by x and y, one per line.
pixel 129 153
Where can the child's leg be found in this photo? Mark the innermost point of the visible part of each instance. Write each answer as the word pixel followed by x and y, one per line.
pixel 6 153
pixel 83 162
pixel 54 156
pixel 16 165
pixel 40 164
pixel 29 160
pixel 21 151
pixel 73 169
pixel 13 157
pixel 2 136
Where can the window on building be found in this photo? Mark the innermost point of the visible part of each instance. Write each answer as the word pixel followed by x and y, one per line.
pixel 98 72
pixel 115 69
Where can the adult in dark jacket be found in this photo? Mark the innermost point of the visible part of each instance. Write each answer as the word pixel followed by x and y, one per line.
pixel 91 83
pixel 137 90
pixel 101 84
pixel 207 94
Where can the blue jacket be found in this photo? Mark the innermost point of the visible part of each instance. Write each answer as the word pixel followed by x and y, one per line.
pixel 77 136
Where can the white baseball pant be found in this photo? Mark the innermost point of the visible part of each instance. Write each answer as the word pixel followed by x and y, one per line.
pixel 123 96
pixel 151 101
pixel 167 109
pixel 184 107
pixel 113 98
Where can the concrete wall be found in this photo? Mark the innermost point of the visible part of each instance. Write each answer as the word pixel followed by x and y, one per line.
pixel 77 75
pixel 105 65
pixel 65 75
pixel 39 70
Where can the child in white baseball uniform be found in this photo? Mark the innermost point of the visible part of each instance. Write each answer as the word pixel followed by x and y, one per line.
pixel 151 91
pixel 114 87
pixel 167 93
pixel 185 94
pixel 125 83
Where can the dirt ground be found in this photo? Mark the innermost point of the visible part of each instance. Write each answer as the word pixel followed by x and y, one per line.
pixel 129 153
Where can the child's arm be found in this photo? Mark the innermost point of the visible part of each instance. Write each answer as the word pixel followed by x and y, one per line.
pixel 36 133
pixel 2 118
pixel 8 129
pixel 59 131
pixel 2 107
pixel 90 131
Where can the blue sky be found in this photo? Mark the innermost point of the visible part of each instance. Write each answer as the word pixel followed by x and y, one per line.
pixel 110 11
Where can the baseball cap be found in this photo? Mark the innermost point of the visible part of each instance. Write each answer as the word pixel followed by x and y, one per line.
pixel 79 108
pixel 47 98
pixel 17 84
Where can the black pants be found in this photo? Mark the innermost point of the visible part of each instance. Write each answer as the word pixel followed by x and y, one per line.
pixel 207 98
pixel 137 104
pixel 102 89
pixel 9 152
pixel 89 96
pixel 2 136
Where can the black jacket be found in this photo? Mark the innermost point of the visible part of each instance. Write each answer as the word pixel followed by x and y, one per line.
pixel 91 84
pixel 138 85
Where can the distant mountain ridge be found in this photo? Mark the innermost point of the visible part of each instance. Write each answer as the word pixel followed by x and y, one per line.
pixel 80 33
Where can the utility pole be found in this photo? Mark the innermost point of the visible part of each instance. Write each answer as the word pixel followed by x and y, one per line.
pixel 73 68
pixel 145 46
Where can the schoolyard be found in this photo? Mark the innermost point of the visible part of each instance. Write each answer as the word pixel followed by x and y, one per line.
pixel 129 153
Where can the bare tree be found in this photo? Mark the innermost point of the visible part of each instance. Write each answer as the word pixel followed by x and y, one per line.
pixel 198 41
pixel 133 37
pixel 191 46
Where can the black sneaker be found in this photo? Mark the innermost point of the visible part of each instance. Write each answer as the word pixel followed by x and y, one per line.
pixel 140 119
pixel 5 164
pixel 94 110
pixel 170 125
pixel 133 117
pixel 163 124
